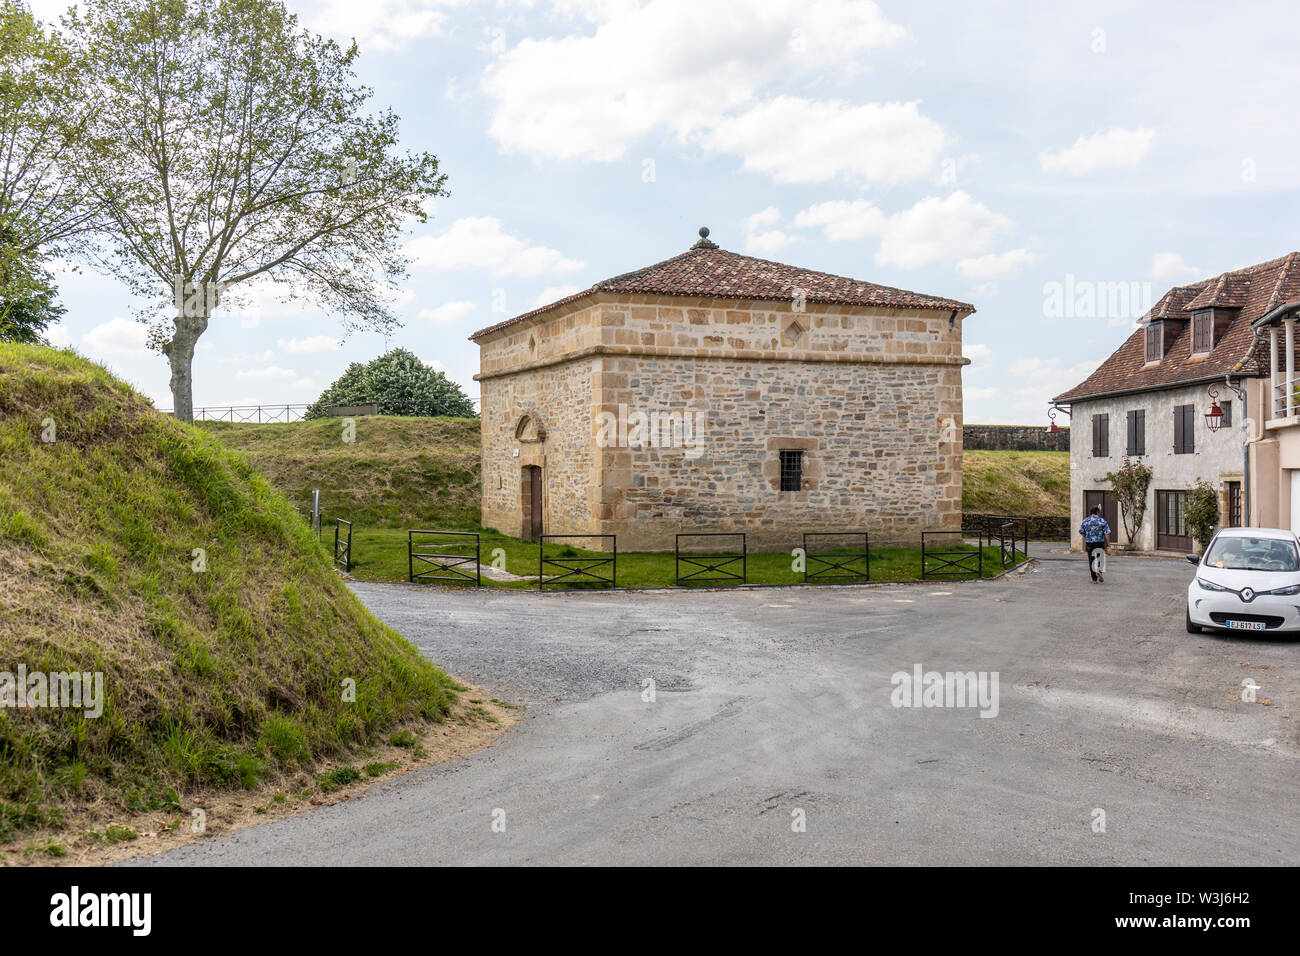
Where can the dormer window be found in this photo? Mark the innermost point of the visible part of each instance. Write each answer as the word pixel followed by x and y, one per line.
pixel 1155 341
pixel 1202 331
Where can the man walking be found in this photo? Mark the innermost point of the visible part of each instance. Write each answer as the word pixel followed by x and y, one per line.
pixel 1095 530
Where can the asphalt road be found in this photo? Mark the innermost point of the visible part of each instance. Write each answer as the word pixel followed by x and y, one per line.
pixel 773 706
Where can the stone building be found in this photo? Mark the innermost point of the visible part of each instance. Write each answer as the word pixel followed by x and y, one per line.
pixel 718 392
pixel 1220 343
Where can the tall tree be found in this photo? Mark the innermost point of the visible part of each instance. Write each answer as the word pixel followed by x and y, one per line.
pixel 43 212
pixel 229 145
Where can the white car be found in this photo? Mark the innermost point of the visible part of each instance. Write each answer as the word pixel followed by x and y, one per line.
pixel 1247 580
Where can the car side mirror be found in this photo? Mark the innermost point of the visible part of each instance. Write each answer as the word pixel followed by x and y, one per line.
pixel 1193 559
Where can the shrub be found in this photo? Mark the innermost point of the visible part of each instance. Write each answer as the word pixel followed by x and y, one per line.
pixel 1129 485
pixel 400 384
pixel 1201 512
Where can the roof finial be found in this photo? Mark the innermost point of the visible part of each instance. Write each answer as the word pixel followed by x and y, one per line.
pixel 704 241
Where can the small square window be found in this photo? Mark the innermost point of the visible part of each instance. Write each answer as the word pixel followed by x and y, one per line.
pixel 791 470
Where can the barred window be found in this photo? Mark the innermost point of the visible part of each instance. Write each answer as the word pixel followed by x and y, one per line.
pixel 791 470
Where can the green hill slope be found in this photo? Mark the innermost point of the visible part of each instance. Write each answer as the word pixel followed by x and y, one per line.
pixel 211 678
pixel 406 472
pixel 1033 483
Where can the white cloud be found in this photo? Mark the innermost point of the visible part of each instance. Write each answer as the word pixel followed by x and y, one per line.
pixel 116 337
pixel 995 265
pixel 309 345
pixel 435 365
pixel 447 312
pixel 1113 148
pixel 272 373
pixel 478 242
pixel 842 219
pixel 939 230
pixel 981 356
pixel 678 65
pixel 796 140
pixel 382 24
pixel 763 240
pixel 57 336
pixel 1170 265
pixel 554 293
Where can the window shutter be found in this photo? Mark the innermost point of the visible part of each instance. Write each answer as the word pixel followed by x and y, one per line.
pixel 1105 436
pixel 1141 432
pixel 1178 430
pixel 1096 436
pixel 1189 428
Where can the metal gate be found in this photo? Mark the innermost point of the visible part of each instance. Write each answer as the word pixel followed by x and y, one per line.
pixel 713 566
pixel 575 569
pixel 442 561
pixel 827 563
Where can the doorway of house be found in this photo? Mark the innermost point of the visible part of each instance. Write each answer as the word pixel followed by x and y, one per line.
pixel 1171 526
pixel 1109 510
pixel 532 501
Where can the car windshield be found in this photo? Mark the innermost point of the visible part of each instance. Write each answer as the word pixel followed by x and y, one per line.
pixel 1253 554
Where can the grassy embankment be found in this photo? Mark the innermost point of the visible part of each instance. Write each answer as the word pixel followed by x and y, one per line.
pixel 403 473
pixel 228 677
pixel 1029 483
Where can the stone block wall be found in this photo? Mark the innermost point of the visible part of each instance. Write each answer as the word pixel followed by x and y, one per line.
pixel 871 396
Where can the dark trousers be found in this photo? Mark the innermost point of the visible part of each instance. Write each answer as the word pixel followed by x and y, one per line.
pixel 1092 546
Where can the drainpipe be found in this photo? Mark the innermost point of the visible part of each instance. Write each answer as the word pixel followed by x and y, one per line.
pixel 1245 420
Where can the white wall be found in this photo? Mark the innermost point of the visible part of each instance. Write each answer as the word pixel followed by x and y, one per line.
pixel 1217 458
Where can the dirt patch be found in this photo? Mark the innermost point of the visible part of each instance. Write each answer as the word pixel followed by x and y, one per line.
pixel 94 836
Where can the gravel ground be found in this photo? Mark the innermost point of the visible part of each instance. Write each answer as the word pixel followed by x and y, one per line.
pixel 774 705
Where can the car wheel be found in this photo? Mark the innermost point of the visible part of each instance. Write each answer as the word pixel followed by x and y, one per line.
pixel 1192 628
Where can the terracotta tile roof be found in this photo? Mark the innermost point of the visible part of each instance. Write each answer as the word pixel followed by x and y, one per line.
pixel 1249 293
pixel 707 271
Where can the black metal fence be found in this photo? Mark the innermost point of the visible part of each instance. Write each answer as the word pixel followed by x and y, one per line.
pixel 343 545
pixel 711 566
pixel 944 554
pixel 988 527
pixel 443 561
pixel 573 569
pixel 836 557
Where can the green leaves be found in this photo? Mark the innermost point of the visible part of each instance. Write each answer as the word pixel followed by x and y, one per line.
pixel 1129 485
pixel 400 384
pixel 1201 512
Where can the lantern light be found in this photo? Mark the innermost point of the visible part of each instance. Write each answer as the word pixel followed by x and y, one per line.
pixel 1214 417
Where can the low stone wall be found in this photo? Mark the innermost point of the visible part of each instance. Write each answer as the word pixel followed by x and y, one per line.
pixel 1013 438
pixel 1041 528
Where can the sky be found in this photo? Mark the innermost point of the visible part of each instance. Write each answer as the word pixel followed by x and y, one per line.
pixel 1057 165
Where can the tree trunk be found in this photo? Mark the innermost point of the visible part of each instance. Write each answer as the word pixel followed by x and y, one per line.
pixel 180 355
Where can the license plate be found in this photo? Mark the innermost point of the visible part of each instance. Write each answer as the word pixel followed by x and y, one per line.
pixel 1246 625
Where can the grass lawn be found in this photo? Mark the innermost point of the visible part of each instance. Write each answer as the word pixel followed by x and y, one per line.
pixel 380 554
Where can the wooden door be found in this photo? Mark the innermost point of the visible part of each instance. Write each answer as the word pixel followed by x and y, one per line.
pixel 535 497
pixel 1171 528
pixel 1109 510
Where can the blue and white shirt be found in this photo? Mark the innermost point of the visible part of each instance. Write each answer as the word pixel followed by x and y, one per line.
pixel 1094 529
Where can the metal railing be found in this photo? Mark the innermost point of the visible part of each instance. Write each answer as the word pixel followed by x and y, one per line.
pixel 831 564
pixel 1280 391
pixel 987 527
pixel 710 567
pixel 444 562
pixel 343 546
pixel 576 569
pixel 954 561
pixel 257 414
